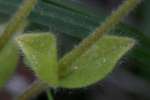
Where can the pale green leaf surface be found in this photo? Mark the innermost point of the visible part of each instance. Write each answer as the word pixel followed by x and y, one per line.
pixel 96 62
pixel 40 51
pixel 8 62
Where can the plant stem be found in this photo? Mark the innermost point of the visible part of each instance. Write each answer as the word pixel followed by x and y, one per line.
pixel 49 95
pixel 16 21
pixel 111 22
pixel 36 88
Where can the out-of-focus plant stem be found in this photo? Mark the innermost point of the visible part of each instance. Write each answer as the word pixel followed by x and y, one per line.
pixel 36 88
pixel 16 21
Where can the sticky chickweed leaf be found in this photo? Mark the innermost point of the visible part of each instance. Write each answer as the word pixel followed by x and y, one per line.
pixel 90 67
pixel 40 52
pixel 96 62
pixel 91 61
pixel 8 61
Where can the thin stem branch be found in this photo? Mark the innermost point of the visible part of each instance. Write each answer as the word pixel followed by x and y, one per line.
pixel 36 88
pixel 17 20
pixel 49 95
pixel 112 21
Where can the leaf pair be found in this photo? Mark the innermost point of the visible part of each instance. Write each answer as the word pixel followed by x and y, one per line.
pixel 88 68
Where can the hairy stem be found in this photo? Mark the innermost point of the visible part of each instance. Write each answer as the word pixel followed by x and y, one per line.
pixel 111 22
pixel 16 21
pixel 36 88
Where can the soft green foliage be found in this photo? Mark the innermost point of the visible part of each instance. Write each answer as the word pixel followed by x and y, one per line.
pixel 96 62
pixel 8 61
pixel 40 51
pixel 91 66
pixel 59 19
pixel 74 6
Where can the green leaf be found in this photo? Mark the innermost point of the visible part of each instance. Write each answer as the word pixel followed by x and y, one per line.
pixel 8 62
pixel 40 51
pixel 96 62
